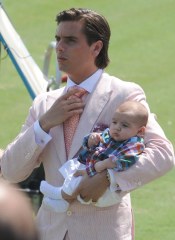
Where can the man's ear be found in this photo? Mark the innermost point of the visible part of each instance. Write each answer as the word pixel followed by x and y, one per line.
pixel 141 131
pixel 97 46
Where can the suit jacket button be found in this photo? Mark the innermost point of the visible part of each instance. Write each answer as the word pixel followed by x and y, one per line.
pixel 69 213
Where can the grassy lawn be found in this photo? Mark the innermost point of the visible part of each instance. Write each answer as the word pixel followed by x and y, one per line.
pixel 141 50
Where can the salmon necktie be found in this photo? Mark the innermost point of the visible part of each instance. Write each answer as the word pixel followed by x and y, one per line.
pixel 71 124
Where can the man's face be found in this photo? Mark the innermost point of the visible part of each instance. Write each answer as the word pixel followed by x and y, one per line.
pixel 74 55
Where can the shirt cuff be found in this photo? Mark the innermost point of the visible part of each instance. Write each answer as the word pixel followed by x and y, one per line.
pixel 41 137
pixel 113 184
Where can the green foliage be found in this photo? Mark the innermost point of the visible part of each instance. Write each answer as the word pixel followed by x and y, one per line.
pixel 141 50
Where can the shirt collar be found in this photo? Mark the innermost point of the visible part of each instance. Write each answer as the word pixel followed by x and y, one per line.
pixel 89 83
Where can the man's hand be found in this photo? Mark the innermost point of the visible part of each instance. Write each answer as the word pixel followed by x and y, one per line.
pixel 80 173
pixel 67 197
pixel 92 187
pixel 62 109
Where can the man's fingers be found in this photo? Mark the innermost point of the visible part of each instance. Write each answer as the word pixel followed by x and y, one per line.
pixel 69 93
pixel 73 101
pixel 85 199
pixel 74 108
pixel 80 173
pixel 77 173
pixel 73 112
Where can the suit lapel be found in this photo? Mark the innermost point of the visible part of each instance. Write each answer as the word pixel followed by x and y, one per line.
pixel 95 104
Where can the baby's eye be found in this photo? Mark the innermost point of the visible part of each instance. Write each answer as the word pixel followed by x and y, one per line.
pixel 124 125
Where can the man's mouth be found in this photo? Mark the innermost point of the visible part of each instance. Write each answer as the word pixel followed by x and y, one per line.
pixel 61 59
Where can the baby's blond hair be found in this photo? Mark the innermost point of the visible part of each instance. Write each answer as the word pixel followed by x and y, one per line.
pixel 137 109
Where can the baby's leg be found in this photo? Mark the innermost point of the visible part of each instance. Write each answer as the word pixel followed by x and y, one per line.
pixel 50 191
pixel 71 184
pixel 53 197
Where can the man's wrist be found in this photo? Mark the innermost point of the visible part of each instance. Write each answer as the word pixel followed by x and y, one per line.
pixel 43 124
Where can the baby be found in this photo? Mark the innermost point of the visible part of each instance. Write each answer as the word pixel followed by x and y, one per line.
pixel 117 148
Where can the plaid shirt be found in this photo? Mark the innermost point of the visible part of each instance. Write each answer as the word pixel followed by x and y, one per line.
pixel 123 153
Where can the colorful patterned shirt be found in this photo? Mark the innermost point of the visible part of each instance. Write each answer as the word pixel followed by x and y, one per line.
pixel 123 153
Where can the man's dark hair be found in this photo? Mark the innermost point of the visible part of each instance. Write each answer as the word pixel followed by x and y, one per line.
pixel 95 27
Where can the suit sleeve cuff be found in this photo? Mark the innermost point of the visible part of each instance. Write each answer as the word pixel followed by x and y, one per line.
pixel 113 184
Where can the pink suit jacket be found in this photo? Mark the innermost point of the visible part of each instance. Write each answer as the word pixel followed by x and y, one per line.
pixel 81 221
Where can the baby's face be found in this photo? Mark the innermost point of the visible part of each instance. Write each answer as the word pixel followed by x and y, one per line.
pixel 123 126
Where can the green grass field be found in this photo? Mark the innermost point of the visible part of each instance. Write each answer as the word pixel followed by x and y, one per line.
pixel 142 50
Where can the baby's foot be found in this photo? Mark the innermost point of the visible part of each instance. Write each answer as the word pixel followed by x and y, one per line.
pixel 50 191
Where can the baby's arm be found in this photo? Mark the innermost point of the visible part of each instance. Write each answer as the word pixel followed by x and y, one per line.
pixel 105 164
pixel 122 158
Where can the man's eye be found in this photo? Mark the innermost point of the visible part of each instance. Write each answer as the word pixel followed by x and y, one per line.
pixel 57 38
pixel 124 125
pixel 70 40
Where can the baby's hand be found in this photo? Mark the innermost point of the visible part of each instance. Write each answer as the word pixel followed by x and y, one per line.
pixel 105 164
pixel 100 166
pixel 94 139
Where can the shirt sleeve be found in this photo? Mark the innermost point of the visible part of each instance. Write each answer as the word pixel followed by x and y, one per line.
pixel 41 137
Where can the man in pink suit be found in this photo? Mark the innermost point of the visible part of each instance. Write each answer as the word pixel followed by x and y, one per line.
pixel 82 39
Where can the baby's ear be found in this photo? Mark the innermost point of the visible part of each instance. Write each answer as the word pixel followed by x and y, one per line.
pixel 141 131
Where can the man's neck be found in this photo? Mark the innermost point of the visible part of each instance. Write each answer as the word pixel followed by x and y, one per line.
pixel 81 77
pixel 89 83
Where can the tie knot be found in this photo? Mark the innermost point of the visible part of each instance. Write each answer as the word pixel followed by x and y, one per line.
pixel 80 91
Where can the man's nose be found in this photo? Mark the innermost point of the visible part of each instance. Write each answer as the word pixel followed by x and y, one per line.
pixel 59 46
